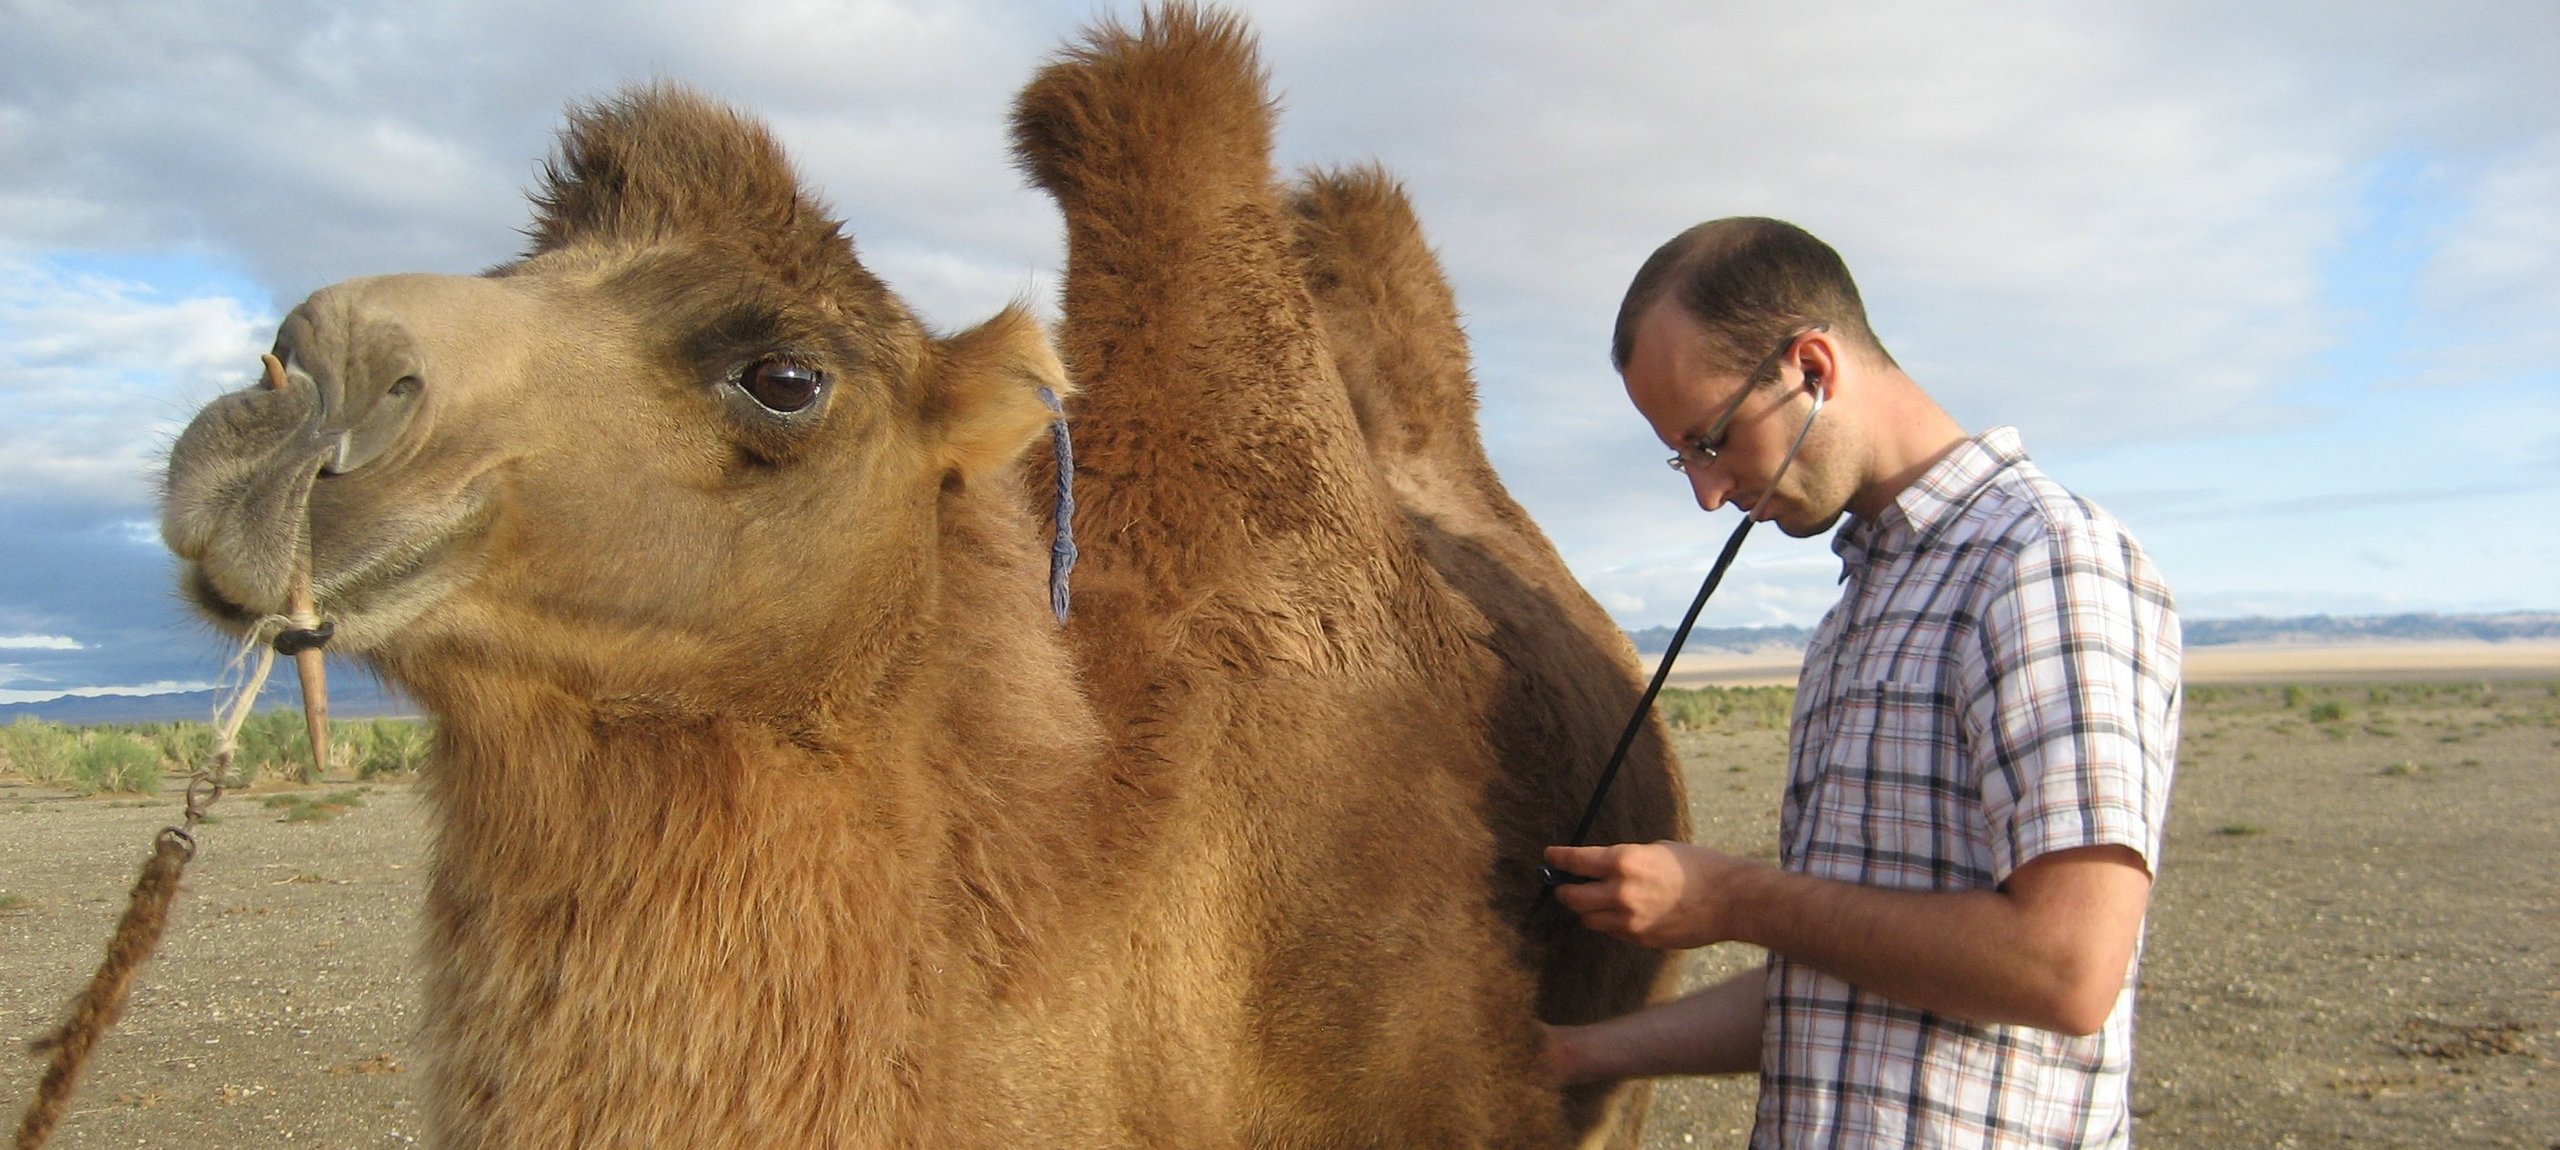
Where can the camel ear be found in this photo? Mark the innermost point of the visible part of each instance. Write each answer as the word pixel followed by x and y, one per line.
pixel 986 404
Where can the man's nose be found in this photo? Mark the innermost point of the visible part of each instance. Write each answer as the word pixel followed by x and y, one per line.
pixel 1709 485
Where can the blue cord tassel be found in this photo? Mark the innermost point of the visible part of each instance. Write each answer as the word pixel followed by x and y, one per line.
pixel 1062 544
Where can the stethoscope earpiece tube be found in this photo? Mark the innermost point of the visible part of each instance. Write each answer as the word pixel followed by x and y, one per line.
pixel 1549 875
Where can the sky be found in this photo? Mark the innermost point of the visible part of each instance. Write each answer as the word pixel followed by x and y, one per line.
pixel 2277 283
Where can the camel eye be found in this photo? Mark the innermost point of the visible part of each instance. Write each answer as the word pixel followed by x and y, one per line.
pixel 782 386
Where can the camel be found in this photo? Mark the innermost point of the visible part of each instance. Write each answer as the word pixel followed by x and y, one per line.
pixel 772 808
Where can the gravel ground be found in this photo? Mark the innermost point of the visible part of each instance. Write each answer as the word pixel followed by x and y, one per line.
pixel 282 1006
pixel 2351 944
pixel 2352 941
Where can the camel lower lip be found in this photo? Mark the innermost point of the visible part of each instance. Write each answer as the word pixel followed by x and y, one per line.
pixel 207 596
pixel 375 595
pixel 390 574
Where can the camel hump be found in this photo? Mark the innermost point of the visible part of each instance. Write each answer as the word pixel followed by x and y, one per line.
pixel 1392 327
pixel 1215 448
pixel 1149 114
pixel 1390 317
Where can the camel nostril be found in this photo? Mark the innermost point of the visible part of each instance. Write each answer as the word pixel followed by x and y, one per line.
pixel 341 458
pixel 380 425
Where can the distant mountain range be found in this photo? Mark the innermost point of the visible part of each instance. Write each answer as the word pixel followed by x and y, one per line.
pixel 2361 628
pixel 352 695
pixel 2200 632
pixel 355 695
pixel 1654 640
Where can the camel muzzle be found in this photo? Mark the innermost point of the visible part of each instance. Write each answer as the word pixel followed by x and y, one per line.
pixel 241 477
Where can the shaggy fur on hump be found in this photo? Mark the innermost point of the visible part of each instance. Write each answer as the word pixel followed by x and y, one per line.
pixel 772 810
pixel 1566 672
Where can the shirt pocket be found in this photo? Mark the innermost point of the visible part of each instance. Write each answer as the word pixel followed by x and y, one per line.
pixel 1895 805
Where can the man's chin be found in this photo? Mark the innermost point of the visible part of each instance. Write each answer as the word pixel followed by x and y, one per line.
pixel 1806 529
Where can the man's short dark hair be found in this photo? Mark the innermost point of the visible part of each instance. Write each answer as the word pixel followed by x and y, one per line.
pixel 1749 282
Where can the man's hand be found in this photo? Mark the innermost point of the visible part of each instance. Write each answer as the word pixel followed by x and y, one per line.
pixel 1663 895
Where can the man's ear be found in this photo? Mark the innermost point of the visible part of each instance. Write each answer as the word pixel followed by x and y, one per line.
pixel 1818 354
pixel 986 404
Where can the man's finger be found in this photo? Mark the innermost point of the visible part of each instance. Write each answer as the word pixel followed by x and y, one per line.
pixel 1589 862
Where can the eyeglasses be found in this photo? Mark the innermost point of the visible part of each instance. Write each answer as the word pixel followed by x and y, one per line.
pixel 1697 454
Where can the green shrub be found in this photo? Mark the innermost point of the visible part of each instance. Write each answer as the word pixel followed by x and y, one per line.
pixel 1685 709
pixel 185 745
pixel 391 747
pixel 40 752
pixel 116 762
pixel 1726 708
pixel 2295 696
pixel 313 808
pixel 273 742
pixel 2328 712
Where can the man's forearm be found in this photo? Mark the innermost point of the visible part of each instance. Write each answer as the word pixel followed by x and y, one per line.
pixel 2052 959
pixel 1714 1031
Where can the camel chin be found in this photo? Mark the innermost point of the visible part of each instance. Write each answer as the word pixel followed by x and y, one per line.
pixel 373 601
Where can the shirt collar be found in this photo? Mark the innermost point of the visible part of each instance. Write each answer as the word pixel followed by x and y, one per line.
pixel 1930 503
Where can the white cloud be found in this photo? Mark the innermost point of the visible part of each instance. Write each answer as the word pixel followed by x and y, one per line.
pixel 98 374
pixel 2046 218
pixel 2496 276
pixel 319 143
pixel 38 643
pixel 162 687
pixel 2114 225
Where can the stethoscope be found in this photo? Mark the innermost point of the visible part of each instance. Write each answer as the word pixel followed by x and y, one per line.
pixel 1548 874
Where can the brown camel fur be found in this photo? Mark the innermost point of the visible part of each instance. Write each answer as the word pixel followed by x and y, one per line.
pixel 771 807
pixel 1392 325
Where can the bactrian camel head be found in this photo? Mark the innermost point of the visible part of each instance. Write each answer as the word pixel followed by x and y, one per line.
pixel 687 431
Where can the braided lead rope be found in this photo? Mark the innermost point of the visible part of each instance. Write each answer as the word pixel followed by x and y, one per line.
pixel 146 912
pixel 299 635
pixel 1062 540
pixel 146 916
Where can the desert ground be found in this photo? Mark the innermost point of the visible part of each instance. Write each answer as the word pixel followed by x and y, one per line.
pixel 2352 940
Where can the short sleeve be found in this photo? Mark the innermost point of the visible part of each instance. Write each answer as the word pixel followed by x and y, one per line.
pixel 2074 720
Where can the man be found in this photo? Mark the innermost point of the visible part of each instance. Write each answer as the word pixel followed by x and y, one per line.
pixel 1979 761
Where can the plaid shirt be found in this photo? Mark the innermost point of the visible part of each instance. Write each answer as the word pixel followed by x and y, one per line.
pixel 1998 680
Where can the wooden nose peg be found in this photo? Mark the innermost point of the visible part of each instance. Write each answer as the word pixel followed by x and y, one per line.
pixel 309 662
